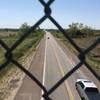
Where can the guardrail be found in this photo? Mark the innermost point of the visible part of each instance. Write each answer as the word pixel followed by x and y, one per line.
pixel 10 59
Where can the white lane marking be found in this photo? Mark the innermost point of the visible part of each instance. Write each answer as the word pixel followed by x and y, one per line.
pixel 69 60
pixel 44 70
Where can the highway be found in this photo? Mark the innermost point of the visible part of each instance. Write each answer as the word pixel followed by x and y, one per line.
pixel 57 64
pixel 49 65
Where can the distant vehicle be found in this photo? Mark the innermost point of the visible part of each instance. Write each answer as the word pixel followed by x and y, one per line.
pixel 87 89
pixel 48 37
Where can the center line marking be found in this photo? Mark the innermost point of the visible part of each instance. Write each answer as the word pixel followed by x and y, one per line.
pixel 62 72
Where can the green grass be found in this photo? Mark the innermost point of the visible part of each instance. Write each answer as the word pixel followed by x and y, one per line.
pixel 83 43
pixel 30 42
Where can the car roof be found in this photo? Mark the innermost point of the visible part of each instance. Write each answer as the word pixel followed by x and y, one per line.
pixel 87 83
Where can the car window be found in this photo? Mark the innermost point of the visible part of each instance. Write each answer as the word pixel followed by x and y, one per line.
pixel 91 89
pixel 81 84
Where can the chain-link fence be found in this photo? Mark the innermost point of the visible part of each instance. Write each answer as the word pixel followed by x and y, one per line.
pixel 82 53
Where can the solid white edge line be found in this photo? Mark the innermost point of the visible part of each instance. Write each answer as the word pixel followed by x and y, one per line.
pixel 44 68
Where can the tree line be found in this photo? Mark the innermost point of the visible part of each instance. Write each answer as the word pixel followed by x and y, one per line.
pixel 75 30
pixel 81 30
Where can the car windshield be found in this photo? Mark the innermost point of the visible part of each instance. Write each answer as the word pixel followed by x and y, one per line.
pixel 91 90
pixel 88 81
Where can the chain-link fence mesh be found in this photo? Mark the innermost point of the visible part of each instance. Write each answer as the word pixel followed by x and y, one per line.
pixel 82 53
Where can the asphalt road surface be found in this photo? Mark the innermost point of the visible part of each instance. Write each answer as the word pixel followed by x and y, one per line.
pixel 51 64
pixel 57 64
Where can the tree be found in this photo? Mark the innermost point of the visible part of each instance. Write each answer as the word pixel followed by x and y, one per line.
pixel 87 31
pixel 73 29
pixel 24 27
pixel 80 30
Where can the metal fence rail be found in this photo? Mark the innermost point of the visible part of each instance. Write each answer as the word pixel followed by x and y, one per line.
pixel 10 59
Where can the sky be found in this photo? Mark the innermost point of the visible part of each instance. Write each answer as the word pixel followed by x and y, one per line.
pixel 13 13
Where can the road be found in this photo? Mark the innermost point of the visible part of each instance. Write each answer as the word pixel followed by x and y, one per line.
pixel 51 64
pixel 57 64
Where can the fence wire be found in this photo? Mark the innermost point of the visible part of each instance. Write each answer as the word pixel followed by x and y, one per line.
pixel 82 54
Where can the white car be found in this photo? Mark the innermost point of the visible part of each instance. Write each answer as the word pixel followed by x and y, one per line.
pixel 86 84
pixel 87 89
